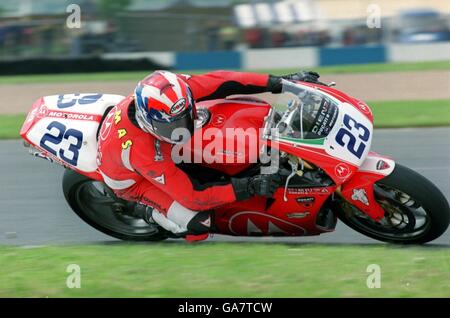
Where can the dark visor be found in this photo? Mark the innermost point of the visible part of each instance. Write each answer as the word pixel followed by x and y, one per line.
pixel 184 120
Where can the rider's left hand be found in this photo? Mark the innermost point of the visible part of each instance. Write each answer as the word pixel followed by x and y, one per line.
pixel 305 76
pixel 274 84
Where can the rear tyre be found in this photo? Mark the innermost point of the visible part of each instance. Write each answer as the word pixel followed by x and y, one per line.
pixel 97 205
pixel 416 211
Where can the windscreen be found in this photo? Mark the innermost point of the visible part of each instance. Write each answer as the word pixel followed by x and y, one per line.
pixel 307 112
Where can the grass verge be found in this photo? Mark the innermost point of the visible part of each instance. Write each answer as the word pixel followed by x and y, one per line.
pixel 396 114
pixel 10 126
pixel 224 270
pixel 137 75
pixel 387 114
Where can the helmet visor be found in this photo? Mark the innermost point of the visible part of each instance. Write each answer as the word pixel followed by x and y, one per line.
pixel 165 129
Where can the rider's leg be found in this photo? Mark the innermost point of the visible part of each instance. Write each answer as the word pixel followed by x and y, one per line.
pixel 187 220
pixel 168 213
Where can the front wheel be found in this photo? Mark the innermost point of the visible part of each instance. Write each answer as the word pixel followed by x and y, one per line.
pixel 416 211
pixel 97 205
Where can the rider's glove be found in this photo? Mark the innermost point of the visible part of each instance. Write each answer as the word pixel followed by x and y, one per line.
pixel 305 76
pixel 274 85
pixel 262 185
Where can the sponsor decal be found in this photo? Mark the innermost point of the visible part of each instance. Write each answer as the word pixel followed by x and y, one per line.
pixel 229 153
pixel 74 116
pixel 117 116
pixel 360 195
pixel 186 76
pixel 147 201
pixel 31 115
pixel 298 215
pixel 160 179
pixel 121 132
pixel 106 126
pixel 42 112
pixel 127 144
pixel 325 119
pixel 382 165
pixel 158 154
pixel 258 223
pixel 363 107
pixel 307 191
pixel 342 171
pixel 207 222
pixel 99 158
pixel 178 106
pixel 218 120
pixel 306 201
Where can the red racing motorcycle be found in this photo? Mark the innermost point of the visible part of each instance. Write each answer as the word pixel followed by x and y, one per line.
pixel 321 139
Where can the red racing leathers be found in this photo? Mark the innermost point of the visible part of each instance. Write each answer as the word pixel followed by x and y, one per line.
pixel 138 167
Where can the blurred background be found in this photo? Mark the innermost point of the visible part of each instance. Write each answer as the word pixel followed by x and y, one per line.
pixel 225 33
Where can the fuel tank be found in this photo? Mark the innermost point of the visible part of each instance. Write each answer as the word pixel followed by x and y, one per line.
pixel 229 140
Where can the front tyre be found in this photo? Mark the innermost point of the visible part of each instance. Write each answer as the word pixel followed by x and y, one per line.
pixel 416 211
pixel 97 205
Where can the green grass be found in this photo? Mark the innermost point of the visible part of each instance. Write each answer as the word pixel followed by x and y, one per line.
pixel 224 270
pixel 137 75
pixel 372 68
pixel 397 114
pixel 10 126
pixel 387 114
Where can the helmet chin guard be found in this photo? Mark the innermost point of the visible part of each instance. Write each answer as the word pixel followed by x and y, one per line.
pixel 165 131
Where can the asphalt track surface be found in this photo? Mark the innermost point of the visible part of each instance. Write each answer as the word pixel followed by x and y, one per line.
pixel 33 210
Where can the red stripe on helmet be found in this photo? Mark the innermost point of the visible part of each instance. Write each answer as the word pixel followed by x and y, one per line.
pixel 156 104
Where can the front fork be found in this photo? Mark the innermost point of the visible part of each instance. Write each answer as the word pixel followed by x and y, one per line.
pixel 359 190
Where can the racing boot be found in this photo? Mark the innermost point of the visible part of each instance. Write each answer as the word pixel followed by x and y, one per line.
pixel 182 222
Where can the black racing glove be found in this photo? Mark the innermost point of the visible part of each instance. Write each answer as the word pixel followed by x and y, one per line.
pixel 305 76
pixel 262 185
pixel 274 84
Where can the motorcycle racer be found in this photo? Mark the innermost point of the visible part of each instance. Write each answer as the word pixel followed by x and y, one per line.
pixel 135 142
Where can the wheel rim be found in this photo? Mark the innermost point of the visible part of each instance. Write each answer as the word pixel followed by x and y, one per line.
pixel 405 218
pixel 101 206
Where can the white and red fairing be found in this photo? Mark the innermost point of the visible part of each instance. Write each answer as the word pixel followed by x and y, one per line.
pixel 352 176
pixel 76 112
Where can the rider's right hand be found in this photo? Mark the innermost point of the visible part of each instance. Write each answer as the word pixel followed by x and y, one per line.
pixel 261 185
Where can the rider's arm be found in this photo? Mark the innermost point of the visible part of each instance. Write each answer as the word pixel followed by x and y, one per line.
pixel 220 84
pixel 185 190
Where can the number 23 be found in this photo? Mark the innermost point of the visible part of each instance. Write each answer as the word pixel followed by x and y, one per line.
pixel 69 155
pixel 363 136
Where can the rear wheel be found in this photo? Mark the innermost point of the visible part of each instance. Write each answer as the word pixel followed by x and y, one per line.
pixel 97 205
pixel 416 211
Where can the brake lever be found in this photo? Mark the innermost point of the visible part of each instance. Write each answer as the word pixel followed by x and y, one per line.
pixel 294 166
pixel 331 84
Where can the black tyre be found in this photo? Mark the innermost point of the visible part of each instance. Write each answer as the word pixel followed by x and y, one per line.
pixel 416 211
pixel 97 205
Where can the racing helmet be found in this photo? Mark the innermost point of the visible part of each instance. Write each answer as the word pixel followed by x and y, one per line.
pixel 164 103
